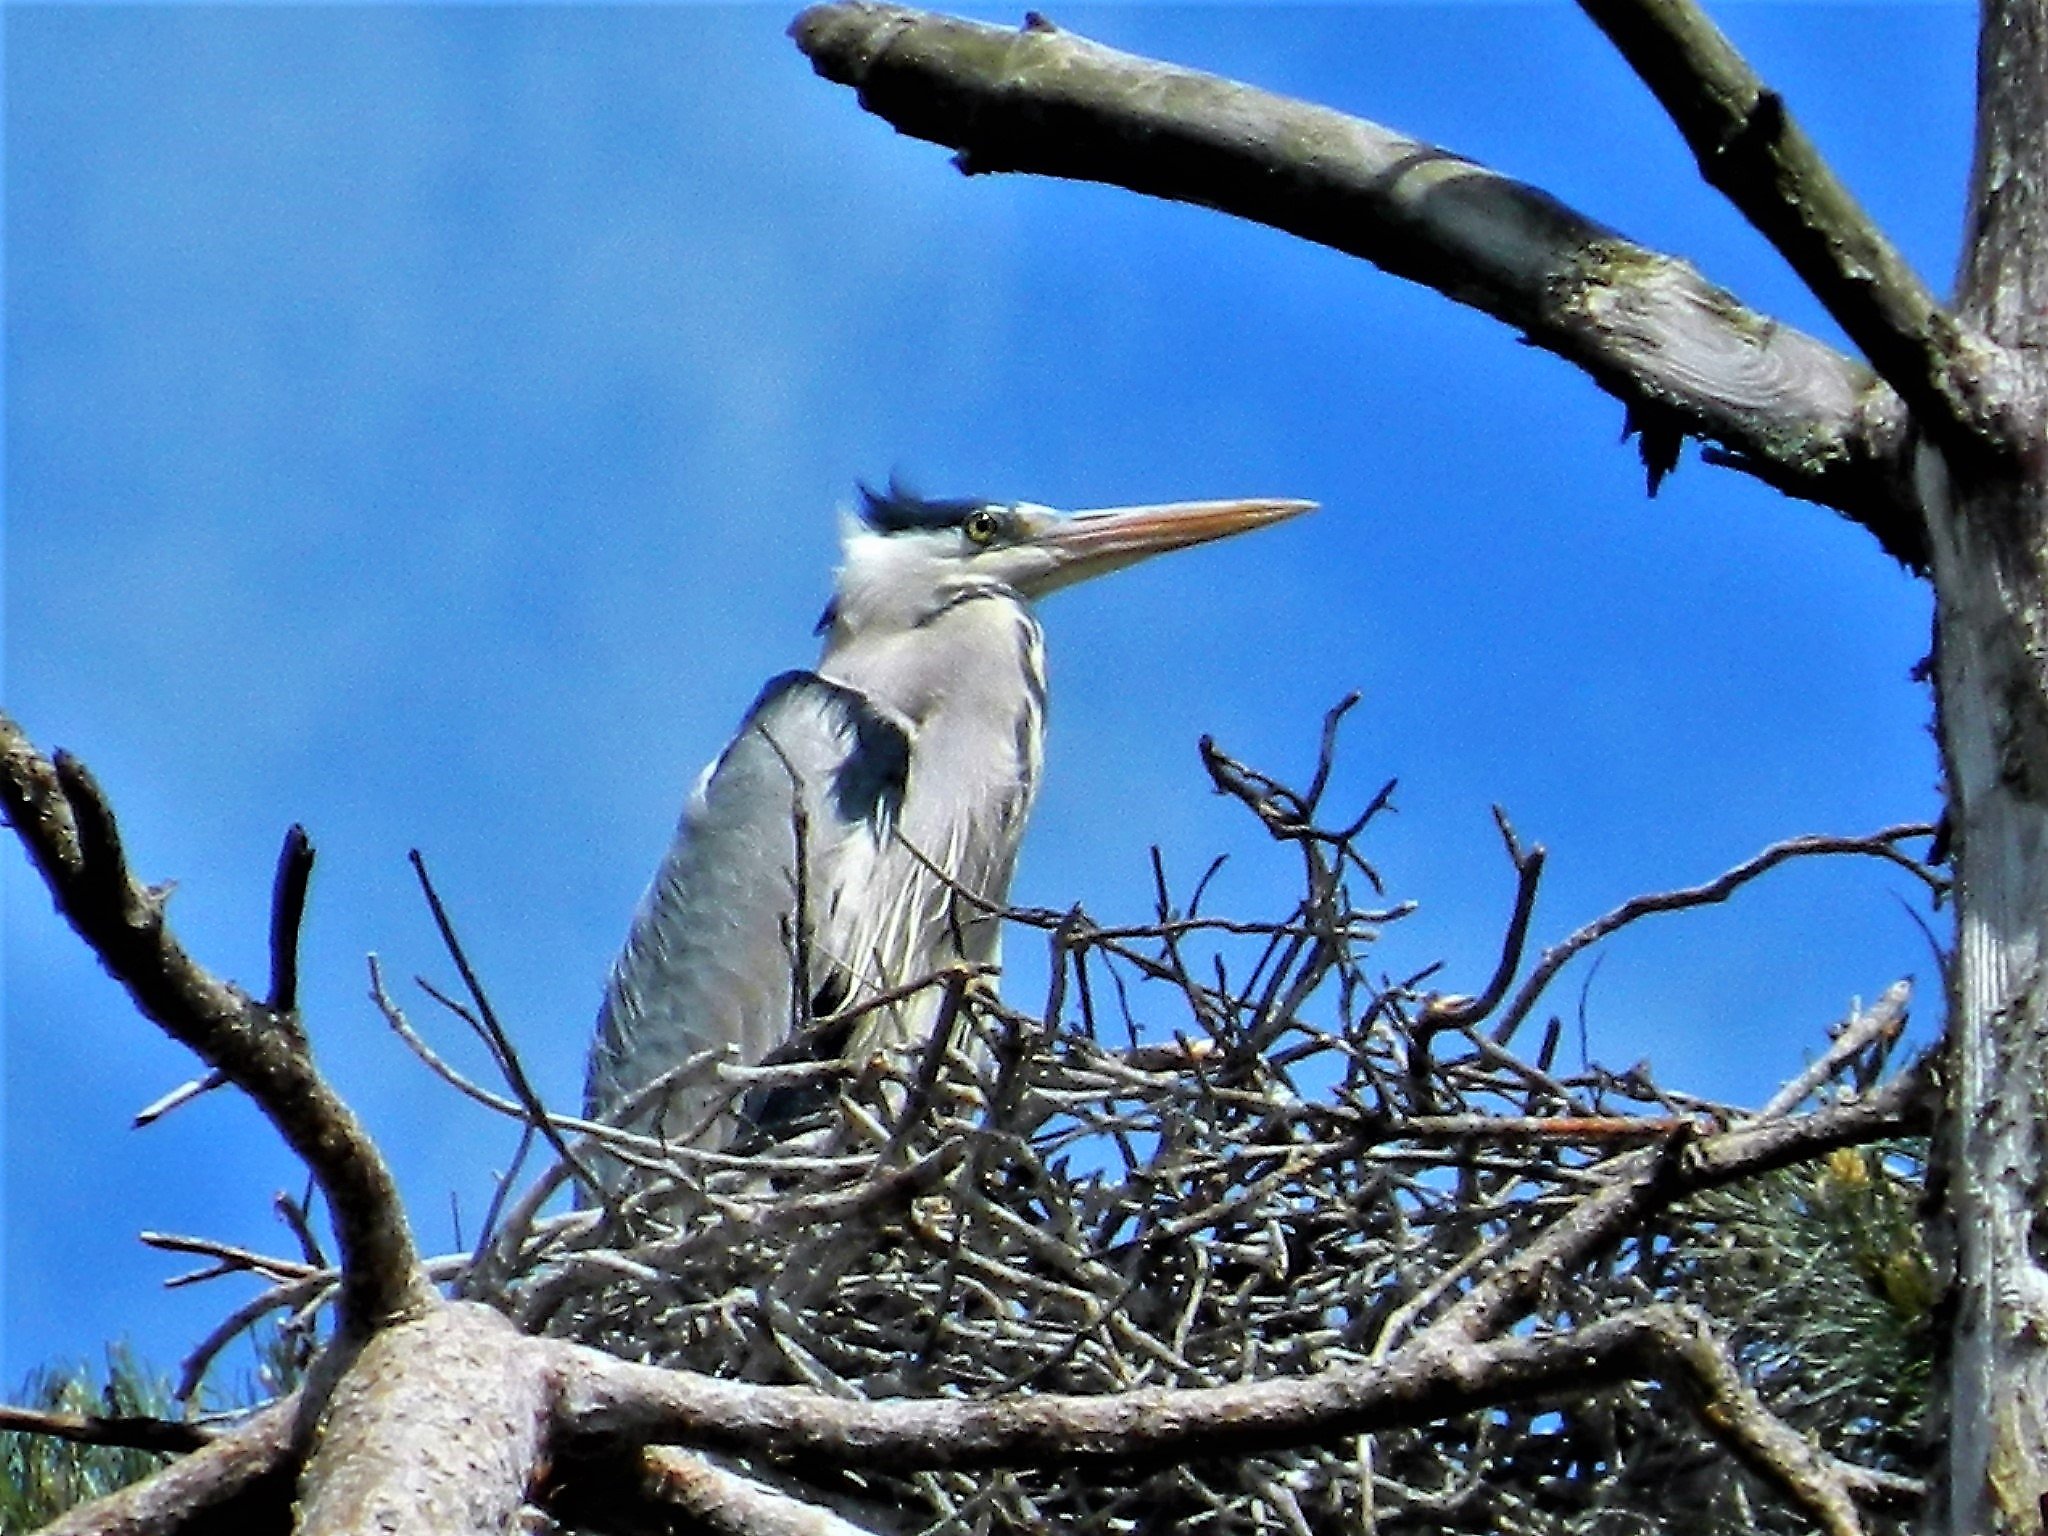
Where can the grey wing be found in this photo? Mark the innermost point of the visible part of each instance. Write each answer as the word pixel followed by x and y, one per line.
pixel 711 957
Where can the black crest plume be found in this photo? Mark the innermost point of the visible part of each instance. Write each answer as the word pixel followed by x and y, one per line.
pixel 899 509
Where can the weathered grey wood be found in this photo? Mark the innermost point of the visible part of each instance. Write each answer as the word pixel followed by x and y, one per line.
pixel 1989 531
pixel 1993 639
pixel 1683 353
pixel 1970 434
pixel 1751 149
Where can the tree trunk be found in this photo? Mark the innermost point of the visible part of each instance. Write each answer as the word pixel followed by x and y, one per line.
pixel 1988 527
pixel 1993 681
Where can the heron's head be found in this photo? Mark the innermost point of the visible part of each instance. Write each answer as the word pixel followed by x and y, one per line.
pixel 907 553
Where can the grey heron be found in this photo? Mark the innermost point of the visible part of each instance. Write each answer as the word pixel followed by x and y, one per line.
pixel 860 831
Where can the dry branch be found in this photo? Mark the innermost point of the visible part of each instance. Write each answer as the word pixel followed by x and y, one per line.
pixel 1751 149
pixel 68 828
pixel 141 1432
pixel 1866 1028
pixel 437 1426
pixel 1878 845
pixel 604 1396
pixel 1245 1233
pixel 1677 350
pixel 1097 1274
pixel 494 1035
pixel 240 1481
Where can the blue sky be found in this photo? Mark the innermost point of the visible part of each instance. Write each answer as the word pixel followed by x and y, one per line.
pixel 427 425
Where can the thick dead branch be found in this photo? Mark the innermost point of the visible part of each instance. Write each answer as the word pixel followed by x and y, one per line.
pixel 69 830
pixel 1750 149
pixel 1645 326
pixel 438 1425
pixel 1738 1418
pixel 239 1482
pixel 1422 1383
pixel 603 1396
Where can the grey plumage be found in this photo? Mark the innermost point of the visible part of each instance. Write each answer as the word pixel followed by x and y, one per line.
pixel 902 770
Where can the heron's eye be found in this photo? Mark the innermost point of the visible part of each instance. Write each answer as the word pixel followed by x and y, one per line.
pixel 981 527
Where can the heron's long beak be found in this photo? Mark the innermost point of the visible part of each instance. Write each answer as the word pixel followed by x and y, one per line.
pixel 1085 544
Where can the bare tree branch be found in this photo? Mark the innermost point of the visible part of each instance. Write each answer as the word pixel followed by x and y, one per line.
pixel 438 1425
pixel 1656 1178
pixel 498 1041
pixel 1737 1417
pixel 1464 1012
pixel 239 1482
pixel 287 914
pixel 69 830
pixel 1878 845
pixel 1679 351
pixel 606 1397
pixel 141 1432
pixel 1879 1024
pixel 1272 1275
pixel 177 1098
pixel 1750 149
pixel 228 1259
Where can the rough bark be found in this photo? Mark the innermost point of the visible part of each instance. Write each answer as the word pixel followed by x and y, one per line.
pixel 442 1417
pixel 437 1426
pixel 1975 399
pixel 1989 529
pixel 1994 733
pixel 242 1481
pixel 1751 150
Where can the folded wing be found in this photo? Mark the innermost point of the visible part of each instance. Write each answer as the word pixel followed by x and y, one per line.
pixel 756 917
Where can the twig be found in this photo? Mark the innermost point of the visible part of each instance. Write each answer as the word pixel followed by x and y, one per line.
pixel 1463 1012
pixel 293 1214
pixel 1579 1130
pixel 500 1042
pixel 311 1291
pixel 1655 1178
pixel 1878 845
pixel 139 1432
pixel 1878 1024
pixel 177 1098
pixel 231 1258
pixel 287 914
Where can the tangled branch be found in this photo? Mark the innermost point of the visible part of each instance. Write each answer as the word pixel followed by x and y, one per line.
pixel 1239 1233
